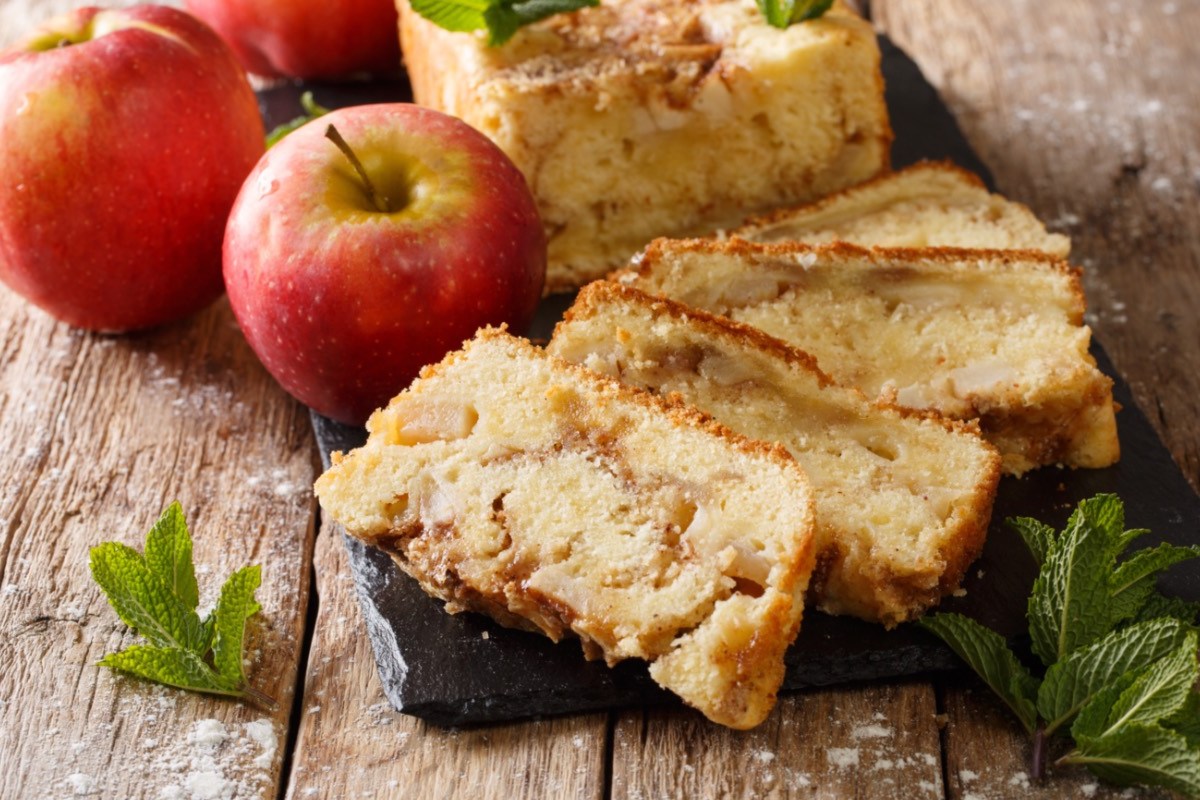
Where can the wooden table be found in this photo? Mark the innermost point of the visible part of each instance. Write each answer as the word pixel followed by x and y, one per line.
pixel 1087 111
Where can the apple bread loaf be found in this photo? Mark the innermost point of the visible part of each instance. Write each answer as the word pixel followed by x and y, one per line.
pixel 991 335
pixel 931 204
pixel 644 118
pixel 557 500
pixel 902 500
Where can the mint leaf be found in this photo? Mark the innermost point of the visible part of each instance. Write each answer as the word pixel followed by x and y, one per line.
pixel 1160 691
pixel 312 110
pixel 782 13
pixel 157 595
pixel 986 652
pixel 1187 720
pixel 208 631
pixel 1134 581
pixel 1140 753
pixel 141 600
pixel 235 605
pixel 1158 605
pixel 1038 536
pixel 1068 608
pixel 183 669
pixel 1122 659
pixel 1072 682
pixel 500 18
pixel 1092 719
pixel 454 15
pixel 169 555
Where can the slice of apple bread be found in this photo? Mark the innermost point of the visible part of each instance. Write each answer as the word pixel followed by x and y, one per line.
pixel 557 500
pixel 931 204
pixel 902 500
pixel 991 335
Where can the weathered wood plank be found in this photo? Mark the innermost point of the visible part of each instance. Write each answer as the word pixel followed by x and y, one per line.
pixel 352 744
pixel 101 433
pixel 1086 112
pixel 869 741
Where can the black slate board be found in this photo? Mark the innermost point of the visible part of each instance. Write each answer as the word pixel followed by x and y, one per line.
pixel 464 669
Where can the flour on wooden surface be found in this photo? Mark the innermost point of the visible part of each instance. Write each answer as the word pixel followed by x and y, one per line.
pixel 81 784
pixel 843 757
pixel 211 760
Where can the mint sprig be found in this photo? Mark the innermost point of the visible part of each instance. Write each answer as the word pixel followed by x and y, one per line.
pixel 312 110
pixel 503 18
pixel 500 18
pixel 156 594
pixel 782 13
pixel 1120 659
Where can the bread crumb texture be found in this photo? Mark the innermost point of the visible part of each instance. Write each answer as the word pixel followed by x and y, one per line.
pixel 931 204
pixel 902 500
pixel 989 335
pixel 556 500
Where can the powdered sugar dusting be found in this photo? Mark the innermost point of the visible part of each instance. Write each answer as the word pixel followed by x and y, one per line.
pixel 765 756
pixel 873 731
pixel 219 761
pixel 81 784
pixel 206 760
pixel 843 757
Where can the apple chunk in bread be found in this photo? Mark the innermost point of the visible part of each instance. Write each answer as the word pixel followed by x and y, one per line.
pixel 556 500
pixel 902 501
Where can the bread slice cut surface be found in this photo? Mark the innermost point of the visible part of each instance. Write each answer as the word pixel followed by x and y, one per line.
pixel 902 500
pixel 931 204
pixel 556 500
pixel 992 335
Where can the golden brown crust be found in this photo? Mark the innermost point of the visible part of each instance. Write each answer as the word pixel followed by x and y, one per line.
pixel 736 247
pixel 592 296
pixel 968 544
pixel 946 167
pixel 895 598
pixel 674 408
pixel 863 587
pixel 513 560
pixel 595 294
pixel 1073 426
pixel 418 49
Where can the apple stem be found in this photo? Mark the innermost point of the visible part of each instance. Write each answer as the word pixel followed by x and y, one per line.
pixel 331 133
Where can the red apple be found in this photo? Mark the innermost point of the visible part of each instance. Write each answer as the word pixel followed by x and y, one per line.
pixel 307 38
pixel 124 138
pixel 344 302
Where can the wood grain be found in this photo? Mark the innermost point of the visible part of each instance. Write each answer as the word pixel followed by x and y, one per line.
pixel 1084 111
pixel 101 433
pixel 866 742
pixel 352 744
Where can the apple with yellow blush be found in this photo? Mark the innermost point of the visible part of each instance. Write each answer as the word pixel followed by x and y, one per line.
pixel 125 136
pixel 353 261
